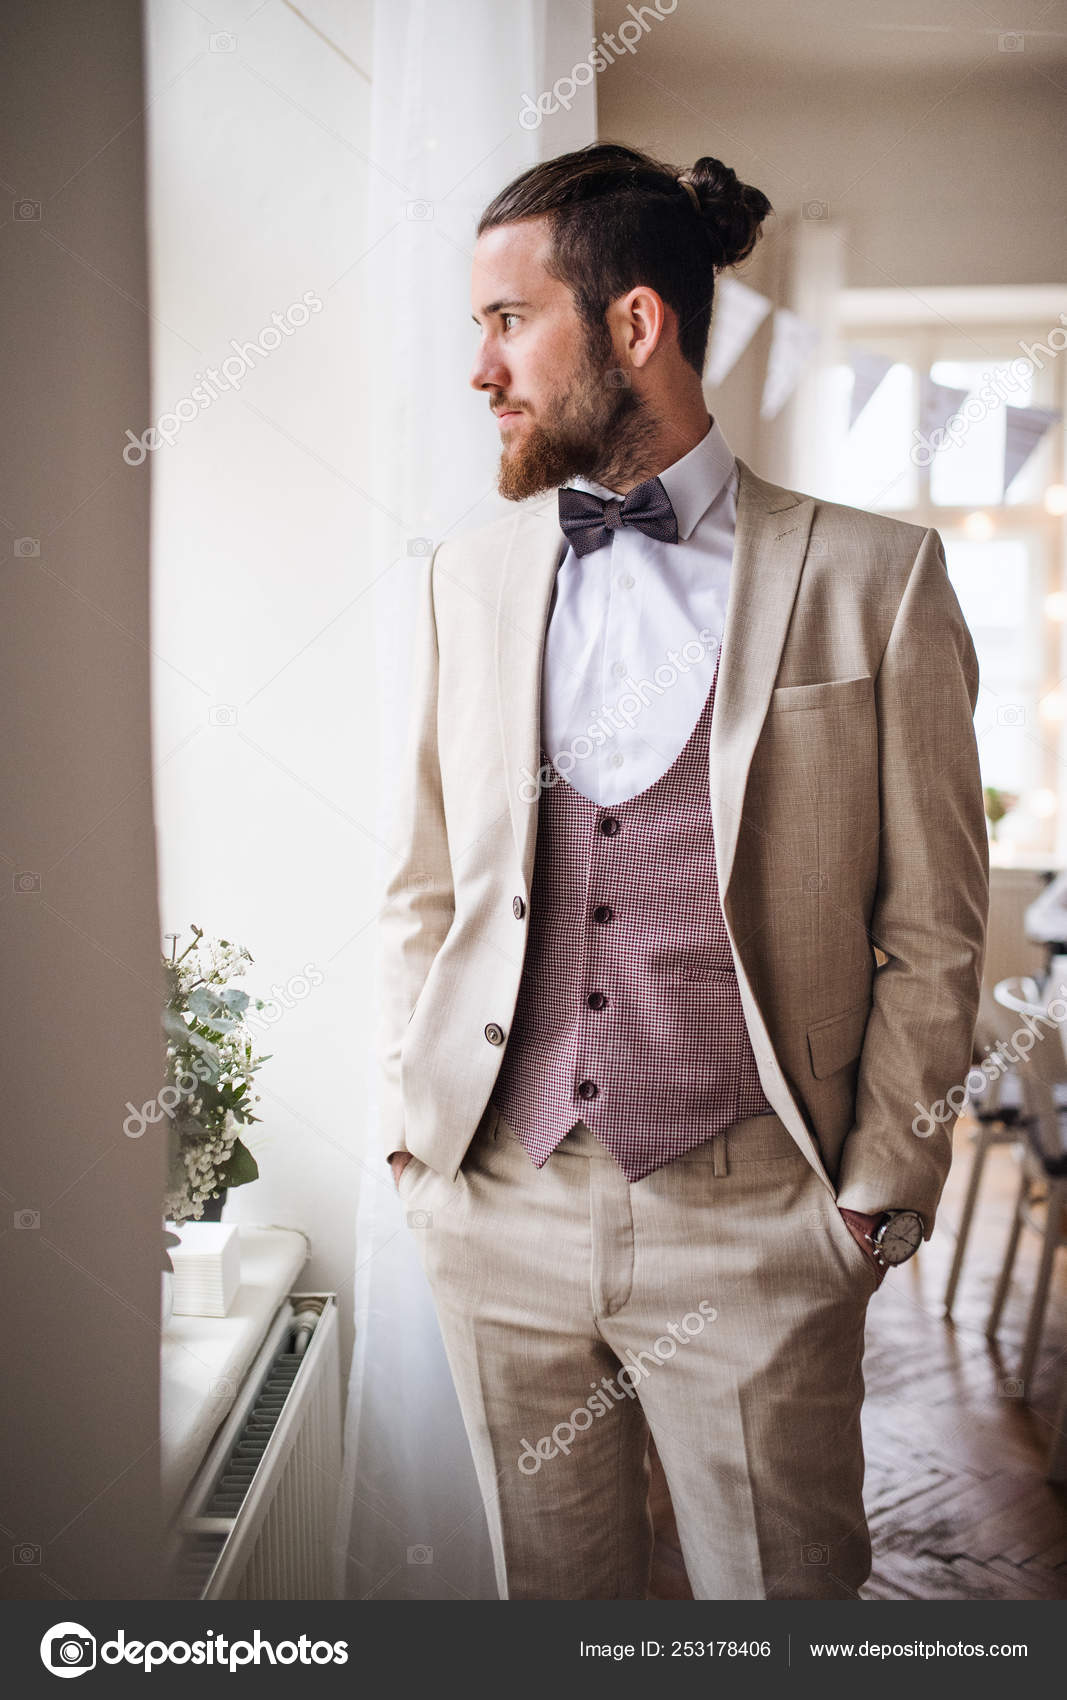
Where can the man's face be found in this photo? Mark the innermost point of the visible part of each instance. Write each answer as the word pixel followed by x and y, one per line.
pixel 553 386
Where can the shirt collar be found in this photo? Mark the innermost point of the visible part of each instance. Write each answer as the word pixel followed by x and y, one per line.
pixel 692 483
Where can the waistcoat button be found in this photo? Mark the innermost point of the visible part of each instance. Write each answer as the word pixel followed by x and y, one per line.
pixel 518 908
pixel 588 1089
pixel 609 826
pixel 597 1000
pixel 494 1034
pixel 603 913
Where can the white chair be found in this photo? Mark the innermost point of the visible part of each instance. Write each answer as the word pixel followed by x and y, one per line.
pixel 1042 1154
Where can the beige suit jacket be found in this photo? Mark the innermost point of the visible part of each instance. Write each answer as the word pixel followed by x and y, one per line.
pixel 847 809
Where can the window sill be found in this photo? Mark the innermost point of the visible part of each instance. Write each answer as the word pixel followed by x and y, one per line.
pixel 204 1359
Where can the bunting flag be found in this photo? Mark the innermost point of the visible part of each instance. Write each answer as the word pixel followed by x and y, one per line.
pixel 1023 429
pixel 937 404
pixel 868 370
pixel 739 312
pixel 793 340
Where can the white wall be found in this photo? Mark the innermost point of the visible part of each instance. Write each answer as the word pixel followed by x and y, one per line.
pixel 262 573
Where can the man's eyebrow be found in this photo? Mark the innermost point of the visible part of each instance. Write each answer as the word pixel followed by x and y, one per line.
pixel 499 307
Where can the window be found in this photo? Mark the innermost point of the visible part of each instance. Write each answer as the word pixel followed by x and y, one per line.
pixel 1003 547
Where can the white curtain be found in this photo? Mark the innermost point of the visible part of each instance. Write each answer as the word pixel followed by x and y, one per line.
pixel 449 82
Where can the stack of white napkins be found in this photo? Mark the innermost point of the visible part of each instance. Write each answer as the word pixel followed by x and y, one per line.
pixel 207 1268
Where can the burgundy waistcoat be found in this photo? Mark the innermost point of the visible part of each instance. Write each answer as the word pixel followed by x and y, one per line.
pixel 628 1015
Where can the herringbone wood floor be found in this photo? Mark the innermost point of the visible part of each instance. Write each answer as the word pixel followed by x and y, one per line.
pixel 956 1494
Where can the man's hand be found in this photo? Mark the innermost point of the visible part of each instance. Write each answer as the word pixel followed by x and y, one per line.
pixel 397 1162
pixel 859 1223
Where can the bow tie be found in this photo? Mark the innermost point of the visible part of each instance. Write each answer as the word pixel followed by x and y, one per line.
pixel 588 522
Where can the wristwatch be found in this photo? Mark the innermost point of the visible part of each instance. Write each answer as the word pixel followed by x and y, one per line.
pixel 897 1237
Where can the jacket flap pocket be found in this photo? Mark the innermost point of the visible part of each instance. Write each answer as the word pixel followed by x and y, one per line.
pixel 828 693
pixel 836 1040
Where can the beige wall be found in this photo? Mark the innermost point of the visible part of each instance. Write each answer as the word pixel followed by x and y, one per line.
pixel 936 185
pixel 79 1027
pixel 933 135
pixel 936 154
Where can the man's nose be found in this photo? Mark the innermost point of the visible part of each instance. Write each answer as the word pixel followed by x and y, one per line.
pixel 488 372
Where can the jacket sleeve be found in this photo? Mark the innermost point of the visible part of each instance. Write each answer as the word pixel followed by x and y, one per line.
pixel 930 907
pixel 419 900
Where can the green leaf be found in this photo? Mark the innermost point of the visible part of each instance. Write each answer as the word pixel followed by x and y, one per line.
pixel 240 1168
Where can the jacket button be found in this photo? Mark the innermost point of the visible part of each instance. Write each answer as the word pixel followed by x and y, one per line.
pixel 609 826
pixel 518 908
pixel 588 1089
pixel 603 913
pixel 597 1000
pixel 494 1034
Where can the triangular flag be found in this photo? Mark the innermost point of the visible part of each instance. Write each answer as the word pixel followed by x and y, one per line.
pixel 792 342
pixel 937 404
pixel 868 370
pixel 1023 429
pixel 737 315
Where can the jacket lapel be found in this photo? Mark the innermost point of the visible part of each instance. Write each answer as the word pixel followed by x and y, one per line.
pixel 536 548
pixel 770 541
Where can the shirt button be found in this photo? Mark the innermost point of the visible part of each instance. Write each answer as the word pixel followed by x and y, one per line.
pixel 627 581
pixel 494 1034
pixel 609 826
pixel 597 1000
pixel 518 908
pixel 603 913
pixel 619 669
pixel 616 760
pixel 588 1089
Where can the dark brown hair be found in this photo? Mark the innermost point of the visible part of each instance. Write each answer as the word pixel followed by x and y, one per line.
pixel 619 218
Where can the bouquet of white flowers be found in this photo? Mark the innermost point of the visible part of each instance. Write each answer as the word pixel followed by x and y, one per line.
pixel 210 1068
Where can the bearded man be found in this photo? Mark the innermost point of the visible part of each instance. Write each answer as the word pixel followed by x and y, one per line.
pixel 688 918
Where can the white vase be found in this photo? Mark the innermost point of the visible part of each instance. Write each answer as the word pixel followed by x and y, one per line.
pixel 167 1310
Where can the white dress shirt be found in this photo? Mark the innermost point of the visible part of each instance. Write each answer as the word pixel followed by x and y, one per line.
pixel 634 633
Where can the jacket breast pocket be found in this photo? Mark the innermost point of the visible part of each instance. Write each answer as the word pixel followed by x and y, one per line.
pixel 827 693
pixel 838 1039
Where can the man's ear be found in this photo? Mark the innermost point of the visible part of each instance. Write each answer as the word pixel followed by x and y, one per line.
pixel 638 321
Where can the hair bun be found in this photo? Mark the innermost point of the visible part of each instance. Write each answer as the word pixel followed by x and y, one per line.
pixel 733 211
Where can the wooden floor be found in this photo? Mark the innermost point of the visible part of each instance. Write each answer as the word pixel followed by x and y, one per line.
pixel 956 1494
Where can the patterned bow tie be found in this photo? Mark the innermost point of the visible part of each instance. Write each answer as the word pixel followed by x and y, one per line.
pixel 588 522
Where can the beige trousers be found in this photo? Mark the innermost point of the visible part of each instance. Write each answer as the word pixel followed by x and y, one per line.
pixel 719 1302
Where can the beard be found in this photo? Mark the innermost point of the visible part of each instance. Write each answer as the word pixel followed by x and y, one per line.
pixel 595 428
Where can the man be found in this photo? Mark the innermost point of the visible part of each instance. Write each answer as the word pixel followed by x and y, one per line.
pixel 649 1099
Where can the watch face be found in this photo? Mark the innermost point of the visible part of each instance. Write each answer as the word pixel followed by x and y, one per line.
pixel 902 1236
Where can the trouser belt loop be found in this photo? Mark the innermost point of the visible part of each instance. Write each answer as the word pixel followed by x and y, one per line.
pixel 719 1164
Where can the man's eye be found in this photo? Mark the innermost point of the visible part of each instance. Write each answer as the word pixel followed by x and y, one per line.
pixel 513 317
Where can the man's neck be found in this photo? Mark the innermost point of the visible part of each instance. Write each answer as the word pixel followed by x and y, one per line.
pixel 648 445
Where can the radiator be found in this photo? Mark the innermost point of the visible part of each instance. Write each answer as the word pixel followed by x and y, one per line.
pixel 258 1521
